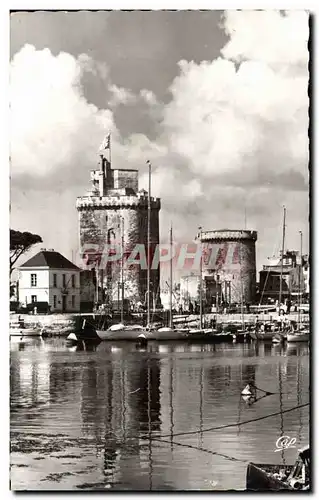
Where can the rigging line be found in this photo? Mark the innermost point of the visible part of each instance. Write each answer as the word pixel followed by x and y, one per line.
pixel 234 459
pixel 235 424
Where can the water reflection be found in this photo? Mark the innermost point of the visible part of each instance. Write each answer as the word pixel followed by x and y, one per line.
pixel 111 403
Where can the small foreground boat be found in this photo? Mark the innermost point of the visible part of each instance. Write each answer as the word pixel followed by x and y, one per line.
pixel 19 329
pixel 298 336
pixel 268 477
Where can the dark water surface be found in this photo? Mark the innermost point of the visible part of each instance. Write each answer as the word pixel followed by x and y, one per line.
pixel 84 420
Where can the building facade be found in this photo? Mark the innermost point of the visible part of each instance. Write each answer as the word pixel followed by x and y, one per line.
pixel 50 278
pixel 113 216
pixel 290 271
pixel 229 266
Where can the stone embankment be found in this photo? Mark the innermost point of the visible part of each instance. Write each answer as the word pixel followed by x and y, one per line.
pixel 193 320
pixel 54 324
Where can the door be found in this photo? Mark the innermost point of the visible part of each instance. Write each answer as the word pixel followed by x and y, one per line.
pixel 63 303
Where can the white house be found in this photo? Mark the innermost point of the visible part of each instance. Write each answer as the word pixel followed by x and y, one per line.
pixel 50 277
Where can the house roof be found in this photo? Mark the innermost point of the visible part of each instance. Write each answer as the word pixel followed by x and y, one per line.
pixel 51 259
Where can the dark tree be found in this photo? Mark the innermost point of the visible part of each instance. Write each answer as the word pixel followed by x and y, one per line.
pixel 21 243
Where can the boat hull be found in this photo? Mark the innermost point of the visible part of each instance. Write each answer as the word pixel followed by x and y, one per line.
pixel 118 334
pixel 259 478
pixel 25 332
pixel 261 335
pixel 298 337
pixel 167 335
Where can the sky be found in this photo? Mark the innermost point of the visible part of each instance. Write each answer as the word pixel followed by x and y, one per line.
pixel 216 100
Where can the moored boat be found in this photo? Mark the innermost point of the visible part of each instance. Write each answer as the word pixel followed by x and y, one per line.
pixel 265 331
pixel 269 477
pixel 168 333
pixel 18 328
pixel 298 336
pixel 121 332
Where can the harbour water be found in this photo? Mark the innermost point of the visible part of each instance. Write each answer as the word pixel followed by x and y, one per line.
pixel 170 417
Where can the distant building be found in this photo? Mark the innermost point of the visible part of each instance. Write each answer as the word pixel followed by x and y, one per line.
pixel 288 270
pixel 48 277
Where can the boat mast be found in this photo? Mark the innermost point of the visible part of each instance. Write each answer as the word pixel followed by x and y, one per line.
pixel 96 286
pixel 149 244
pixel 241 289
pixel 122 269
pixel 282 257
pixel 200 282
pixel 171 281
pixel 300 278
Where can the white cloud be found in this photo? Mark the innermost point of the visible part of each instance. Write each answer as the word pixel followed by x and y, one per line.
pixel 149 97
pixel 267 36
pixel 52 124
pixel 120 95
pixel 235 131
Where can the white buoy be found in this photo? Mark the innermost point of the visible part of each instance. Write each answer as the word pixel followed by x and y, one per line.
pixel 246 391
pixel 72 336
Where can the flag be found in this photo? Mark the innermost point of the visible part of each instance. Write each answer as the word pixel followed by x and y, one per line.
pixel 106 144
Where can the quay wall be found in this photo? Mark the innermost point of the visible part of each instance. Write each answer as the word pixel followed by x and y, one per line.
pixel 60 324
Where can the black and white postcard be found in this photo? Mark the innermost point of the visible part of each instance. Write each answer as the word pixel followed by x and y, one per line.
pixel 159 329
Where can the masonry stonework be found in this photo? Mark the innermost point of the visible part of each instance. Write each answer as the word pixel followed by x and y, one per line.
pixel 113 209
pixel 231 260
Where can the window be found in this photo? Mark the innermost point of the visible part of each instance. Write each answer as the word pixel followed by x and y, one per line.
pixel 54 300
pixel 73 281
pixel 33 280
pixel 63 281
pixel 73 301
pixel 33 298
pixel 55 280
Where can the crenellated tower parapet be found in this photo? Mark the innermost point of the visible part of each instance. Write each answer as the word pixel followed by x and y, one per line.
pixel 113 211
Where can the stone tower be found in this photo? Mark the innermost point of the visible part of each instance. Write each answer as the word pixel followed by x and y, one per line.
pixel 114 214
pixel 230 264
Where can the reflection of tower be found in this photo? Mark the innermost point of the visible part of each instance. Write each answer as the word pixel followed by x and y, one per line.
pixel 30 379
pixel 145 406
pixel 63 380
pixel 119 403
pixel 114 196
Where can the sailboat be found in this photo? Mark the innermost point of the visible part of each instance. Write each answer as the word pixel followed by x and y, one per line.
pixel 200 332
pixel 267 331
pixel 168 332
pixel 301 334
